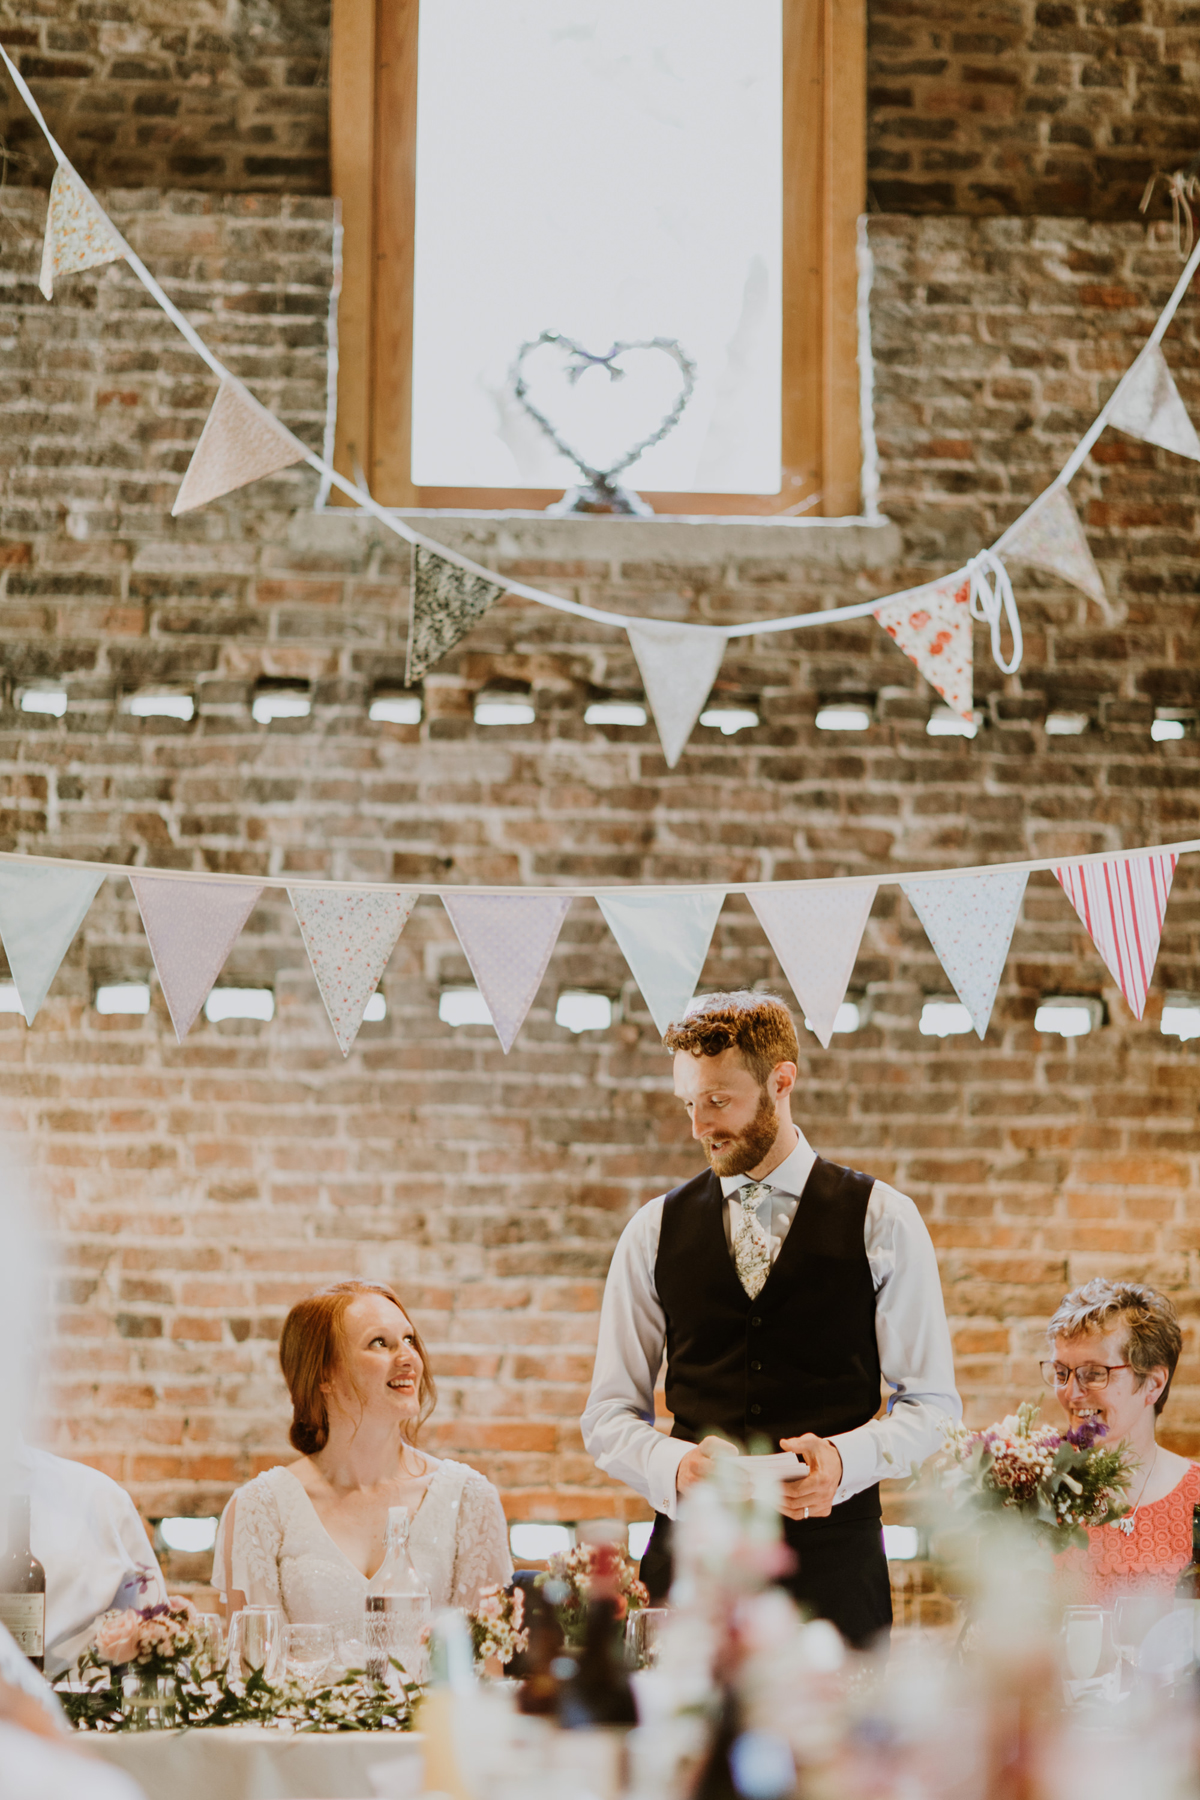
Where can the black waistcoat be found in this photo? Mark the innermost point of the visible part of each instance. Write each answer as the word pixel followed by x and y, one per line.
pixel 803 1355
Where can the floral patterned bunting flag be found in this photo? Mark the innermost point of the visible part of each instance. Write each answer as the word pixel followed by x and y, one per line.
pixel 41 909
pixel 79 235
pixel 446 601
pixel 349 934
pixel 241 442
pixel 1149 407
pixel 192 925
pixel 1122 901
pixel 932 625
pixel 508 939
pixel 969 920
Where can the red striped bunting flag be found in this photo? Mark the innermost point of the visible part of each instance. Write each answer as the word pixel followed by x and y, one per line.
pixel 1122 902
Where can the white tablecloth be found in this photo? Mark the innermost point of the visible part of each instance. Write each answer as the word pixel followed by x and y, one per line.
pixel 247 1762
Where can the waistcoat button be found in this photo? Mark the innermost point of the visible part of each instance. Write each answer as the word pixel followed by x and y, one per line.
pixel 756 1366
pixel 756 1409
pixel 756 1321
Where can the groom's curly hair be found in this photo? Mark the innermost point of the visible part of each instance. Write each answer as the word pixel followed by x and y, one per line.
pixel 758 1025
pixel 311 1346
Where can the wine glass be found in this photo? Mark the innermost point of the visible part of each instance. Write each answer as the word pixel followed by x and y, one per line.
pixel 1133 1615
pixel 642 1633
pixel 309 1650
pixel 210 1634
pixel 1083 1640
pixel 351 1648
pixel 256 1643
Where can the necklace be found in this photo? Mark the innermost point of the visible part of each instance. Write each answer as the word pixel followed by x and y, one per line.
pixel 1130 1520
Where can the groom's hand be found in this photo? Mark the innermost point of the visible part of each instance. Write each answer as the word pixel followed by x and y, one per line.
pixel 811 1495
pixel 693 1468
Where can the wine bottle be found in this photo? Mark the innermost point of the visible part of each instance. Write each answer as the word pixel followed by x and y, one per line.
pixel 399 1610
pixel 599 1692
pixel 23 1585
pixel 538 1692
pixel 1187 1587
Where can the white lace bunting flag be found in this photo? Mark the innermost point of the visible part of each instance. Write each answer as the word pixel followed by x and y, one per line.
pixel 678 665
pixel 191 925
pixel 508 940
pixel 1150 407
pixel 241 442
pixel 815 929
pixel 1050 536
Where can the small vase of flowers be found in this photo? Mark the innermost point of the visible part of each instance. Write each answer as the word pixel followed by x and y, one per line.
pixel 567 1585
pixel 498 1624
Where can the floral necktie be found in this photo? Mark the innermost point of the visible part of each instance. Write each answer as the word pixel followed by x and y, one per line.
pixel 751 1245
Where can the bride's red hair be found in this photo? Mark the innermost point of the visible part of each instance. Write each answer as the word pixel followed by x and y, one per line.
pixel 312 1345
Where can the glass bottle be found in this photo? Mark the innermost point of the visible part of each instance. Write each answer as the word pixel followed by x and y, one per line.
pixel 23 1585
pixel 1187 1586
pixel 399 1610
pixel 599 1692
pixel 538 1692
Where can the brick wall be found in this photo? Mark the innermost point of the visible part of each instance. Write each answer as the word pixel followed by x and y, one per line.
pixel 1025 107
pixel 1031 107
pixel 198 1190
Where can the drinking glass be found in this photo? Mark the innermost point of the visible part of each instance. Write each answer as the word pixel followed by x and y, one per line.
pixel 256 1642
pixel 643 1630
pixel 148 1701
pixel 210 1641
pixel 309 1650
pixel 1133 1615
pixel 351 1648
pixel 1083 1640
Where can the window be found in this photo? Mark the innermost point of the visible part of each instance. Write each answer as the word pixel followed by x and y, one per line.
pixel 614 170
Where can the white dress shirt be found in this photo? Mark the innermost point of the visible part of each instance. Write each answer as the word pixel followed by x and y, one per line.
pixel 86 1533
pixel 910 1329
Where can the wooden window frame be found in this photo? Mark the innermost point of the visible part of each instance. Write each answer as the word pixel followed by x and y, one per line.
pixel 373 108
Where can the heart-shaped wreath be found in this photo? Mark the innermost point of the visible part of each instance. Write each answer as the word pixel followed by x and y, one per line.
pixel 601 492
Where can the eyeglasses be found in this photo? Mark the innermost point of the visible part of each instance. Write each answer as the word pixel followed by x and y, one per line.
pixel 1089 1375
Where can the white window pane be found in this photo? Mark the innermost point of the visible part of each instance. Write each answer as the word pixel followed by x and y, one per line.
pixel 463 1006
pixel 900 1542
pixel 396 709
pixel 10 1000
pixel 280 703
pixel 610 170
pixel 584 1012
pixel 1064 1021
pixel 504 712
pixel 376 1009
pixel 1179 1021
pixel 44 700
pixel 728 719
pixel 188 1534
pixel 945 722
pixel 162 706
pixel 123 997
pixel 843 718
pixel 944 1018
pixel 1165 731
pixel 534 1543
pixel 639 1537
pixel 239 1003
pixel 615 712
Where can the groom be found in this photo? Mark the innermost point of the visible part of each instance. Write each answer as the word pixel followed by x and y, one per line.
pixel 783 1288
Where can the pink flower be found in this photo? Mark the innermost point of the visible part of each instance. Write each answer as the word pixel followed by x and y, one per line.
pixel 118 1636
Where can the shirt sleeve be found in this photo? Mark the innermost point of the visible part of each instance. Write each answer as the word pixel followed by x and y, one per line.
pixel 618 1422
pixel 914 1349
pixel 246 1553
pixel 481 1554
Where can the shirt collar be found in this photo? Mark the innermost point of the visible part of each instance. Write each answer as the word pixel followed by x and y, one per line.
pixel 791 1175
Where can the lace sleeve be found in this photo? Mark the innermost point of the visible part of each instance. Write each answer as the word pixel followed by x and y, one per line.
pixel 246 1553
pixel 481 1554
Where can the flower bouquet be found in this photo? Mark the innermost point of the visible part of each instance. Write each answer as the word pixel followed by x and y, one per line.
pixel 567 1585
pixel 498 1624
pixel 1059 1482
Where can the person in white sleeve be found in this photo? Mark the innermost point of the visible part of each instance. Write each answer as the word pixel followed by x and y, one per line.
pixel 787 1293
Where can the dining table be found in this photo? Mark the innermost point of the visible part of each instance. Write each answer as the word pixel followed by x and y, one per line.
pixel 256 1762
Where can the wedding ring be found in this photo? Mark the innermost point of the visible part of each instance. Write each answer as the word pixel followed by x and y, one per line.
pixel 806 1512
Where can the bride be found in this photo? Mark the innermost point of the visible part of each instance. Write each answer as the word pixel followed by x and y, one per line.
pixel 308 1535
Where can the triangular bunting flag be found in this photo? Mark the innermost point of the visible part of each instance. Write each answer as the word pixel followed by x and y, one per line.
pixel 78 233
pixel 349 935
pixel 1050 536
pixel 508 939
pixel 1149 407
pixel 664 938
pixel 192 925
pixel 446 601
pixel 679 664
pixel 969 920
pixel 932 625
pixel 1122 902
pixel 815 929
pixel 241 442
pixel 41 909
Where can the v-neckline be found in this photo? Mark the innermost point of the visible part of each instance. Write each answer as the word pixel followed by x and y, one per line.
pixel 322 1527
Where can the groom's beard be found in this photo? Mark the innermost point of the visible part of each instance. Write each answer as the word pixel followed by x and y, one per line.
pixel 738 1155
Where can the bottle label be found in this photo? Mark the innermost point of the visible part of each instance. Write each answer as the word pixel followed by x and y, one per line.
pixel 25 1617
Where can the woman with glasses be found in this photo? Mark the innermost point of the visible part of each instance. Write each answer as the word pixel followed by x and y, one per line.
pixel 1115 1347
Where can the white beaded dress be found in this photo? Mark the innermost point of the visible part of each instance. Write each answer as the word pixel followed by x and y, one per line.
pixel 282 1555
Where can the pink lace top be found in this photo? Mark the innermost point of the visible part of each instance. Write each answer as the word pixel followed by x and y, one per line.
pixel 1153 1553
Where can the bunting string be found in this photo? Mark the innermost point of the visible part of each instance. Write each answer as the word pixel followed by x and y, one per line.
pixel 94 238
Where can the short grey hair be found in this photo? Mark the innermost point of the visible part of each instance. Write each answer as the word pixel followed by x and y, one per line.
pixel 1153 1339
